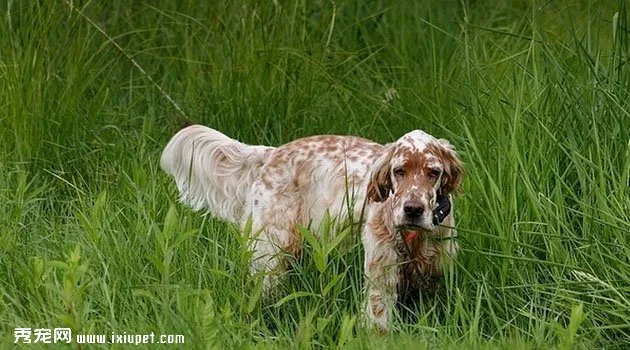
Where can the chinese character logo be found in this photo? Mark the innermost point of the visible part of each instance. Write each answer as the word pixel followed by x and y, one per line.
pixel 22 335
pixel 42 335
pixel 62 335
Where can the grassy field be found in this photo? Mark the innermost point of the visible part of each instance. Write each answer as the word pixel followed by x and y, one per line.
pixel 535 96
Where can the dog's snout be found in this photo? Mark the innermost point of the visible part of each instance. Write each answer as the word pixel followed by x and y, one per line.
pixel 413 209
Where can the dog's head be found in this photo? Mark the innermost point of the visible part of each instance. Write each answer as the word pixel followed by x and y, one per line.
pixel 411 174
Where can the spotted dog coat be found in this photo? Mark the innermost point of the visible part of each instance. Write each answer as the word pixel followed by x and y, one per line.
pixel 301 182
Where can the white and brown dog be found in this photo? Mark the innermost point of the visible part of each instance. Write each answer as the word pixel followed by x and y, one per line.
pixel 280 188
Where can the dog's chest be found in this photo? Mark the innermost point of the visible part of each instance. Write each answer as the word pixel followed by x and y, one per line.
pixel 419 272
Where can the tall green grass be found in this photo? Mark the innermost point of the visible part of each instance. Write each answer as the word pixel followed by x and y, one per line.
pixel 535 96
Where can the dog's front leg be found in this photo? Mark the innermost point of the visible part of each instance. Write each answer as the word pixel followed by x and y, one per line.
pixel 381 270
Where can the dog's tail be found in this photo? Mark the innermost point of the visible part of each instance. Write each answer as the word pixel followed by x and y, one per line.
pixel 213 171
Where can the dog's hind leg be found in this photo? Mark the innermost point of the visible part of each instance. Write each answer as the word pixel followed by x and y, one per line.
pixel 274 234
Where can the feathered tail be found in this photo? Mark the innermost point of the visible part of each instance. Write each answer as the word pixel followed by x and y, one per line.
pixel 213 171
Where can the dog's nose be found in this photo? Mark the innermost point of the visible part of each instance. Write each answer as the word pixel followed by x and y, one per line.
pixel 413 209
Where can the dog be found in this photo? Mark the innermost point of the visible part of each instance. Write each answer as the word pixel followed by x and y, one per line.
pixel 399 188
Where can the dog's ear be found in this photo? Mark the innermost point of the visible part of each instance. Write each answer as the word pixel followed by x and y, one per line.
pixel 453 167
pixel 380 184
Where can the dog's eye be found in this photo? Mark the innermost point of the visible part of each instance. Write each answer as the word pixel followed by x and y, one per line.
pixel 434 173
pixel 399 171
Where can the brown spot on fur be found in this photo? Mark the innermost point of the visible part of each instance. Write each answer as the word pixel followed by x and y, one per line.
pixel 221 157
pixel 374 264
pixel 376 305
pixel 294 246
pixel 329 147
pixel 379 227
pixel 302 178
